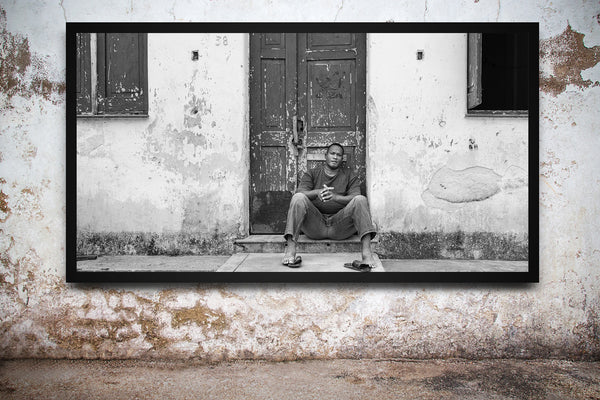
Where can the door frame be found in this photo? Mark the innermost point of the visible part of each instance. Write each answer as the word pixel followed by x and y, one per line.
pixel 293 100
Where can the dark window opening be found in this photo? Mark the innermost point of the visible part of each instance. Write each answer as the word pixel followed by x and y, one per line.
pixel 498 72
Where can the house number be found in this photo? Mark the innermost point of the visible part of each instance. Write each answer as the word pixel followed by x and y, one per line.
pixel 222 41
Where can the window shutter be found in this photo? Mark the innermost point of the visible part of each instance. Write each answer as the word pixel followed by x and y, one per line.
pixel 474 92
pixel 84 78
pixel 122 73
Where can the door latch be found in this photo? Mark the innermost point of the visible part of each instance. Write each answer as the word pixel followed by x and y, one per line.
pixel 298 126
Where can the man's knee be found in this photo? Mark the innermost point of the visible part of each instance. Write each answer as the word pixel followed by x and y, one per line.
pixel 360 200
pixel 299 199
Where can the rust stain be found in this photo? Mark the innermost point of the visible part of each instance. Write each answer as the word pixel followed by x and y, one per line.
pixel 568 56
pixel 72 332
pixel 29 204
pixel 90 332
pixel 201 316
pixel 45 87
pixel 151 332
pixel 549 169
pixel 4 206
pixel 16 60
pixel 226 294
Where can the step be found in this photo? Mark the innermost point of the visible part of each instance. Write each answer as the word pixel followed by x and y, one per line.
pixel 276 244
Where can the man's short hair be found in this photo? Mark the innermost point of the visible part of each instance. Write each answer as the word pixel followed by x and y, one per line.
pixel 335 144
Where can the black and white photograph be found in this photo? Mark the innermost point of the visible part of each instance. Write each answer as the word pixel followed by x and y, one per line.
pixel 302 152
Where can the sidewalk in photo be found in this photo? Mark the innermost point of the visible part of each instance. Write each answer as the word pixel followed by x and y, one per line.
pixel 318 379
pixel 271 262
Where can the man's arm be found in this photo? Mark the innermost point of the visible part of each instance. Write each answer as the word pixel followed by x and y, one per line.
pixel 311 194
pixel 338 198
pixel 353 191
pixel 307 187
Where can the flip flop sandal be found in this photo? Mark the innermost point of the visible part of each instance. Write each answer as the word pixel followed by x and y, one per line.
pixel 357 265
pixel 295 264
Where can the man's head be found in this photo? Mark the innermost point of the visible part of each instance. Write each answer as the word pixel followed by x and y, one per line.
pixel 334 155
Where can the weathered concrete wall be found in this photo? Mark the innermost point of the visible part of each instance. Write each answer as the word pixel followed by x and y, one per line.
pixel 176 182
pixel 433 170
pixel 41 316
pixel 181 173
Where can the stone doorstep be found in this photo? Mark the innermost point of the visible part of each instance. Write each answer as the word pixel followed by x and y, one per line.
pixel 276 244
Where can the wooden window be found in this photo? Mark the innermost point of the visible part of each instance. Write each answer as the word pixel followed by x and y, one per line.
pixel 497 74
pixel 84 80
pixel 119 86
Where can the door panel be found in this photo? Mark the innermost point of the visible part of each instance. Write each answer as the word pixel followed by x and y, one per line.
pixel 332 71
pixel 330 40
pixel 272 155
pixel 317 80
pixel 331 95
pixel 274 94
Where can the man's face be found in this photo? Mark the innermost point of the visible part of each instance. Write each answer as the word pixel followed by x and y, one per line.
pixel 334 156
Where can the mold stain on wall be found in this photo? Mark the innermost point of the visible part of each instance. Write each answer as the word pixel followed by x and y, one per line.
pixel 455 245
pixel 149 243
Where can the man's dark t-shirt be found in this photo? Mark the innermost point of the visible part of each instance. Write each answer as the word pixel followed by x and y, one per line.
pixel 344 183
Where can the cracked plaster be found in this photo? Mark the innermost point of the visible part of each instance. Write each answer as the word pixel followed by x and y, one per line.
pixel 44 317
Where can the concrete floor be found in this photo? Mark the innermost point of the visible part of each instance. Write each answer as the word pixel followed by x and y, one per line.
pixel 319 379
pixel 271 262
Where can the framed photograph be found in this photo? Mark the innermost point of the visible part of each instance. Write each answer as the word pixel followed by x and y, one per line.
pixel 302 152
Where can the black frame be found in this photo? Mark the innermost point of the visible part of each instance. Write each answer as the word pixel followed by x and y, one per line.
pixel 72 275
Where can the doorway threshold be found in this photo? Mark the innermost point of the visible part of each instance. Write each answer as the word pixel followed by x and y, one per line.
pixel 276 244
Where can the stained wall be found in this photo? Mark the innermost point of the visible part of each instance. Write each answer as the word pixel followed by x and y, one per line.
pixel 179 176
pixel 42 316
pixel 434 170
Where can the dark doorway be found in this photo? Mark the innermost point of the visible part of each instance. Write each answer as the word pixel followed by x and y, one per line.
pixel 307 90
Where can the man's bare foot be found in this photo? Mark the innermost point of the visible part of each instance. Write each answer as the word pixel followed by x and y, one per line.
pixel 367 253
pixel 290 251
pixel 368 258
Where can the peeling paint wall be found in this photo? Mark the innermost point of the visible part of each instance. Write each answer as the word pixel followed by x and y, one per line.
pixel 434 169
pixel 41 316
pixel 181 172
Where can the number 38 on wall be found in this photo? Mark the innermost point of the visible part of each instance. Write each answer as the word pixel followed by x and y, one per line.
pixel 221 41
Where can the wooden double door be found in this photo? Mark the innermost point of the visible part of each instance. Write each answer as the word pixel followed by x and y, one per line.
pixel 307 90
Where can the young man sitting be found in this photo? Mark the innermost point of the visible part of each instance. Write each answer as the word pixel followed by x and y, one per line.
pixel 328 205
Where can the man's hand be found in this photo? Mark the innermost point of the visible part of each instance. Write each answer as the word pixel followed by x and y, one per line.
pixel 326 193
